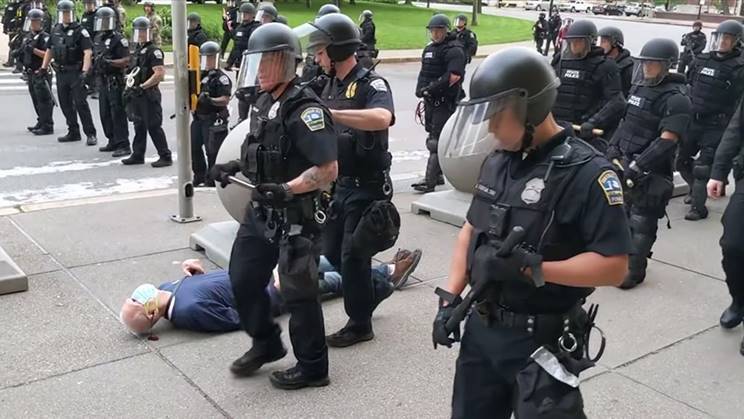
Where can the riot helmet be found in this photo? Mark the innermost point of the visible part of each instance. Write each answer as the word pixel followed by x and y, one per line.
pixel 542 15
pixel 580 37
pixel 33 22
pixel 65 12
pixel 230 3
pixel 246 13
pixel 141 30
pixel 105 19
pixel 611 37
pixel 461 21
pixel 327 9
pixel 90 5
pixel 282 19
pixel 366 14
pixel 727 37
pixel 271 57
pixel 697 25
pixel 336 34
pixel 657 57
pixel 267 13
pixel 209 52
pixel 438 27
pixel 194 20
pixel 37 4
pixel 514 88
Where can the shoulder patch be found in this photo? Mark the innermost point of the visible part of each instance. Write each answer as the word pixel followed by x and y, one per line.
pixel 157 54
pixel 611 186
pixel 124 42
pixel 85 33
pixel 379 85
pixel 313 118
pixel 225 80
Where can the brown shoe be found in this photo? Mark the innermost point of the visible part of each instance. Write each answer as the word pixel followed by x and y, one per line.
pixel 405 263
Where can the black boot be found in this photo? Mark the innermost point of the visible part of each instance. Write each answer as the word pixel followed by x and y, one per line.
pixel 133 160
pixel 741 347
pixel 698 196
pixel 162 162
pixel 695 214
pixel 433 171
pixel 108 148
pixel 33 128
pixel 91 140
pixel 48 130
pixel 69 137
pixel 732 316
pixel 350 335
pixel 294 379
pixel 261 353
pixel 638 260
pixel 122 151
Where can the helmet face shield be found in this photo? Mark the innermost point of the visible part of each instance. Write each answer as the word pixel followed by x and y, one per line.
pixel 104 24
pixel 208 62
pixel 31 25
pixel 141 36
pixel 650 72
pixel 723 42
pixel 436 34
pixel 266 69
pixel 90 5
pixel 473 120
pixel 460 22
pixel 65 16
pixel 576 48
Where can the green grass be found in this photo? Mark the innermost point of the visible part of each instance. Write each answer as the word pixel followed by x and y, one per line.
pixel 398 26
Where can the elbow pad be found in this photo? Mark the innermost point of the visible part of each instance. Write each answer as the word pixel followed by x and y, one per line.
pixel 659 150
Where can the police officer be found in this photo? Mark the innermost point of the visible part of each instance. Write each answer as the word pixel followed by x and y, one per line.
pixel 361 105
pixel 267 13
pixel 466 37
pixel 440 85
pixel 196 35
pixel 229 23
pixel 590 94
pixel 39 85
pixel 531 181
pixel 312 73
pixel 23 33
pixel 716 80
pixel 656 118
pixel 12 26
pixel 367 26
pixel 612 41
pixel 111 58
pixel 694 43
pixel 555 22
pixel 246 24
pixel 730 154
pixel 146 71
pixel 210 119
pixel 88 18
pixel 72 50
pixel 289 155
pixel 540 32
pixel 121 13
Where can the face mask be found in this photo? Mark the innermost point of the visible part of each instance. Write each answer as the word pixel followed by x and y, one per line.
pixel 146 294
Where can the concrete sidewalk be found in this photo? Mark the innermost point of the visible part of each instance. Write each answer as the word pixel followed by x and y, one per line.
pixel 63 352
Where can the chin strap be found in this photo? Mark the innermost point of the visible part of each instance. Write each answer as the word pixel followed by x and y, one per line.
pixel 527 137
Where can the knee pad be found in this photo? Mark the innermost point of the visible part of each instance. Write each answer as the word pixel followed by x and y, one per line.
pixel 432 144
pixel 642 224
pixel 701 172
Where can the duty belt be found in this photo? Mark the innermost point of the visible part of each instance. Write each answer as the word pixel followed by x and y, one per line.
pixel 380 180
pixel 546 328
pixel 68 67
pixel 715 118
pixel 297 212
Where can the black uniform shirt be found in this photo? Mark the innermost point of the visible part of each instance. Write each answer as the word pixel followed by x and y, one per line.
pixel 73 34
pixel 147 56
pixel 38 41
pixel 110 45
pixel 88 20
pixel 377 93
pixel 216 84
pixel 197 36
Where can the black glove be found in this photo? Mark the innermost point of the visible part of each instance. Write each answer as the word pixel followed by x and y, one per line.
pixel 42 72
pixel 439 333
pixel 29 48
pixel 585 133
pixel 273 193
pixel 220 172
pixel 511 267
pixel 137 91
pixel 632 175
pixel 204 99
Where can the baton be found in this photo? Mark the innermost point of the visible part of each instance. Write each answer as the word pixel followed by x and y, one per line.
pixel 596 131
pixel 241 182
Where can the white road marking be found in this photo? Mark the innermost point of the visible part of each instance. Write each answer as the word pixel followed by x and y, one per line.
pixel 63 166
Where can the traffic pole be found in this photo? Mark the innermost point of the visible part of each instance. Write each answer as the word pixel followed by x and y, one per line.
pixel 183 135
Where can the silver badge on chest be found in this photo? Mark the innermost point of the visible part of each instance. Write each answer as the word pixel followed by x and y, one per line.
pixel 273 110
pixel 532 191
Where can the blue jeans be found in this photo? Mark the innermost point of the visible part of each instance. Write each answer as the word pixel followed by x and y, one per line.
pixel 331 279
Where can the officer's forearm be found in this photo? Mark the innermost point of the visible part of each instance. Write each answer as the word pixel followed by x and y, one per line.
pixel 660 149
pixel 588 269
pixel 156 78
pixel 39 52
pixel 221 101
pixel 47 59
pixel 87 60
pixel 458 275
pixel 314 178
pixel 375 119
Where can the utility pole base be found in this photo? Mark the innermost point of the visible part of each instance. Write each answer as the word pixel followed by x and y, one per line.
pixel 184 220
pixel 12 278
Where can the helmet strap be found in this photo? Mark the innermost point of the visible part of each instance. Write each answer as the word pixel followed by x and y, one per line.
pixel 529 130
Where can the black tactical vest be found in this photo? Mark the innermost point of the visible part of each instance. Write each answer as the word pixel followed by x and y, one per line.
pixel 361 154
pixel 88 20
pixel 66 46
pixel 433 63
pixel 714 89
pixel 625 65
pixel 37 41
pixel 578 95
pixel 141 59
pixel 643 113
pixel 212 85
pixel 243 33
pixel 103 48
pixel 267 153
pixel 529 200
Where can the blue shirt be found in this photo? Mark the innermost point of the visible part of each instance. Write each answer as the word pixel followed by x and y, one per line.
pixel 203 303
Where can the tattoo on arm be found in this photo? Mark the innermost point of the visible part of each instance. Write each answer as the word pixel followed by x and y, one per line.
pixel 311 177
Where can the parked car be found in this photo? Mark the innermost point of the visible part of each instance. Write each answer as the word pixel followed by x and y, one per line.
pixel 536 5
pixel 615 9
pixel 575 6
pixel 599 9
pixel 632 9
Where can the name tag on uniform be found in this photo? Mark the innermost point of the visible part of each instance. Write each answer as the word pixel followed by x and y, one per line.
pixel 572 74
pixel 239 34
pixel 708 71
pixel 634 100
pixel 429 55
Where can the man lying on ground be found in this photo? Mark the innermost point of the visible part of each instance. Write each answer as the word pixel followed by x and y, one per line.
pixel 204 302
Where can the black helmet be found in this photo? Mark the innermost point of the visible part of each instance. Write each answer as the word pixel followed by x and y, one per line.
pixel 94 2
pixel 268 9
pixel 65 6
pixel 614 34
pixel 194 17
pixel 247 7
pixel 658 49
pixel 462 18
pixel 582 29
pixel 274 37
pixel 35 14
pixel 209 48
pixel 698 24
pixel 438 21
pixel 542 14
pixel 727 27
pixel 141 23
pixel 337 33
pixel 367 14
pixel 282 19
pixel 105 19
pixel 522 72
pixel 327 9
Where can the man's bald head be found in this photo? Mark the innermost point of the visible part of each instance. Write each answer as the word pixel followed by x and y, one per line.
pixel 140 313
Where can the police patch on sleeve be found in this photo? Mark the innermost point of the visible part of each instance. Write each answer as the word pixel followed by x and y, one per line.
pixel 85 33
pixel 158 54
pixel 611 187
pixel 124 42
pixel 379 85
pixel 224 80
pixel 313 118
